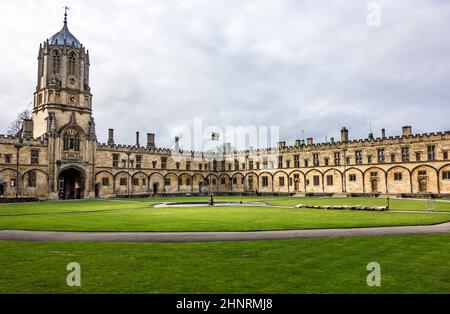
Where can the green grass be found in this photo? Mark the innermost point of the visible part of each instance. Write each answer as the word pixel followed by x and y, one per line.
pixel 409 264
pixel 139 215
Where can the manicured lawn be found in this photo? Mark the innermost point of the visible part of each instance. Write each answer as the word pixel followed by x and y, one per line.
pixel 140 215
pixel 409 264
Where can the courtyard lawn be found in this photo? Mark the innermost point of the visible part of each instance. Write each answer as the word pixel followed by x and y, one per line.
pixel 139 215
pixel 409 264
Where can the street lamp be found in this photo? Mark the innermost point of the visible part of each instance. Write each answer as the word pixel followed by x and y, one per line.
pixel 214 137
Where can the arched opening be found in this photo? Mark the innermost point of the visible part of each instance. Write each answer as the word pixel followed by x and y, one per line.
pixel 56 62
pixel 71 184
pixel 374 185
pixel 72 62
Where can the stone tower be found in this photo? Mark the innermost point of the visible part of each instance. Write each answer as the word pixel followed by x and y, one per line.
pixel 62 113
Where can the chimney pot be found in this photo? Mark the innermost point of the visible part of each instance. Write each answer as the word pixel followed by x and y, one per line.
pixel 150 140
pixel 344 134
pixel 110 136
pixel 407 130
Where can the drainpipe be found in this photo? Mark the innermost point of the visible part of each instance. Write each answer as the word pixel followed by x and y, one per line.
pixel 129 175
pixel 17 169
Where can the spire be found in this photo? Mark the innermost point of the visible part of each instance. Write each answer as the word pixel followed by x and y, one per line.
pixel 66 8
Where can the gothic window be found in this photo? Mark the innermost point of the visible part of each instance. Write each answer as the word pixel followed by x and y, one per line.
pixel 71 140
pixel 337 159
pixel 138 161
pixel 297 161
pixel 265 181
pixel 34 160
pixel 381 155
pixel 330 180
pixel 405 154
pixel 8 158
pixel 32 179
pixel 316 180
pixel 431 152
pixel 115 162
pixel 56 62
pixel 163 162
pixel 72 62
pixel 105 181
pixel 358 157
pixel 316 160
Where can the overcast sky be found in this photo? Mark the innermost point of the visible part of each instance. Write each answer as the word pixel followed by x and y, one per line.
pixel 300 65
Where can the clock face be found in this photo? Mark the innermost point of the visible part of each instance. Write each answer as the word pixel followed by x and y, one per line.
pixel 72 99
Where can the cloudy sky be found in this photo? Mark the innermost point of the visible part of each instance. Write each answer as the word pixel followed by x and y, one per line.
pixel 300 65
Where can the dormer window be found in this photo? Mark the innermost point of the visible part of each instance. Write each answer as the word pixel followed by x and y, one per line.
pixel 71 141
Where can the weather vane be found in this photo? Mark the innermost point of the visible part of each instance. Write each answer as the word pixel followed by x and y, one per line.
pixel 66 8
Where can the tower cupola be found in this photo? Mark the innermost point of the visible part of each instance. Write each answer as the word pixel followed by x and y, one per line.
pixel 64 37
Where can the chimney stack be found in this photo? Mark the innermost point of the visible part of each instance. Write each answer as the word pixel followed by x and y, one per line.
pixel 27 128
pixel 137 139
pixel 150 140
pixel 111 137
pixel 344 134
pixel 297 143
pixel 281 145
pixel 332 140
pixel 177 143
pixel 309 141
pixel 407 130
pixel 383 133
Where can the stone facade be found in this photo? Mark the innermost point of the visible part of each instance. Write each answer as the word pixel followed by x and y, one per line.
pixel 56 154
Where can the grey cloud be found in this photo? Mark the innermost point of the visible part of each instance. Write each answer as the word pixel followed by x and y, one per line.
pixel 307 65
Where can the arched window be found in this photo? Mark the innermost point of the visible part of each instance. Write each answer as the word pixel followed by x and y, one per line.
pixel 71 141
pixel 72 62
pixel 56 62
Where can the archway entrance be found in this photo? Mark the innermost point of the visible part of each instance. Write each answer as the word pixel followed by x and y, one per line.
pixel 423 185
pixel 155 187
pixel 71 184
pixel 374 185
pixel 250 184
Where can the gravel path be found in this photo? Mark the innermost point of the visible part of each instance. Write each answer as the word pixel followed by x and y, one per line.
pixel 69 236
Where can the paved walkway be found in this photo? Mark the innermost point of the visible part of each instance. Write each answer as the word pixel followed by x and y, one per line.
pixel 69 236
